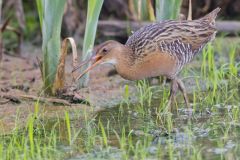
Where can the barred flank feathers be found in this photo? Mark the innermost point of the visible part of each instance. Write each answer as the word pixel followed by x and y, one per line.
pixel 180 40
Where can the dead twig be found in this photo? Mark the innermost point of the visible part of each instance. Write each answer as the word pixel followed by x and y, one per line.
pixel 2 28
pixel 4 102
pixel 6 27
pixel 17 6
pixel 10 98
pixel 44 100
pixel 189 10
pixel 17 99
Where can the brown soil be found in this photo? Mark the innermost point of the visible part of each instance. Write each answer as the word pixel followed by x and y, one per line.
pixel 20 76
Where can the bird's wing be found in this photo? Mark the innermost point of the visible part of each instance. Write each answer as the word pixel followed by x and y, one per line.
pixel 182 39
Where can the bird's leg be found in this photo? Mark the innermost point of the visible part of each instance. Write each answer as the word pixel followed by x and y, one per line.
pixel 173 91
pixel 183 90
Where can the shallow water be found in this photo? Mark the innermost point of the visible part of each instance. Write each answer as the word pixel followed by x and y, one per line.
pixel 211 134
pixel 149 130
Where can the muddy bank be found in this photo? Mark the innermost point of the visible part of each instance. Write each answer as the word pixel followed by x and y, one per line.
pixel 20 76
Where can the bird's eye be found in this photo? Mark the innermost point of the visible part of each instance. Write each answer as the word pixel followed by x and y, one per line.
pixel 104 50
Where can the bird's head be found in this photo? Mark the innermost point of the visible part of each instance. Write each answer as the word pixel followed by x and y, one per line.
pixel 106 52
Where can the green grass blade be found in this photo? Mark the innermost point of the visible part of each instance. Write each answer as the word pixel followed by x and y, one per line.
pixel 31 135
pixel 104 135
pixel 67 120
pixel 94 8
pixel 40 11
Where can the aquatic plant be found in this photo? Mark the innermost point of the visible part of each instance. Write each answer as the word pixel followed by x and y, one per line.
pixel 94 8
pixel 50 15
pixel 167 9
pixel 164 9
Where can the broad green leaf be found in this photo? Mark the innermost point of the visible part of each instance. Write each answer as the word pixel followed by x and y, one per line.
pixel 167 9
pixel 50 13
pixel 94 8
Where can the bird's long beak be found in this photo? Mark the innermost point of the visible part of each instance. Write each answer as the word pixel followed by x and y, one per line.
pixel 96 59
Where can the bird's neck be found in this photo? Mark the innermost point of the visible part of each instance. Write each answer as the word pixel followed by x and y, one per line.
pixel 124 62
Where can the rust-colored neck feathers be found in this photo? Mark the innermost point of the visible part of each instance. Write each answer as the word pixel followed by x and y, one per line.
pixel 121 56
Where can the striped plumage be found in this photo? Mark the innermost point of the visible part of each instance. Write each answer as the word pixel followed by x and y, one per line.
pixel 160 48
pixel 181 40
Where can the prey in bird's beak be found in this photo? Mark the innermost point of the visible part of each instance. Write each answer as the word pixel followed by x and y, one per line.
pixel 95 59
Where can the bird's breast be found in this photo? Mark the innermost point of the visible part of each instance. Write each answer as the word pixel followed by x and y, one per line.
pixel 152 65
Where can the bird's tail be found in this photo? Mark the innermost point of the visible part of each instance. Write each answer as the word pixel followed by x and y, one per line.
pixel 210 17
